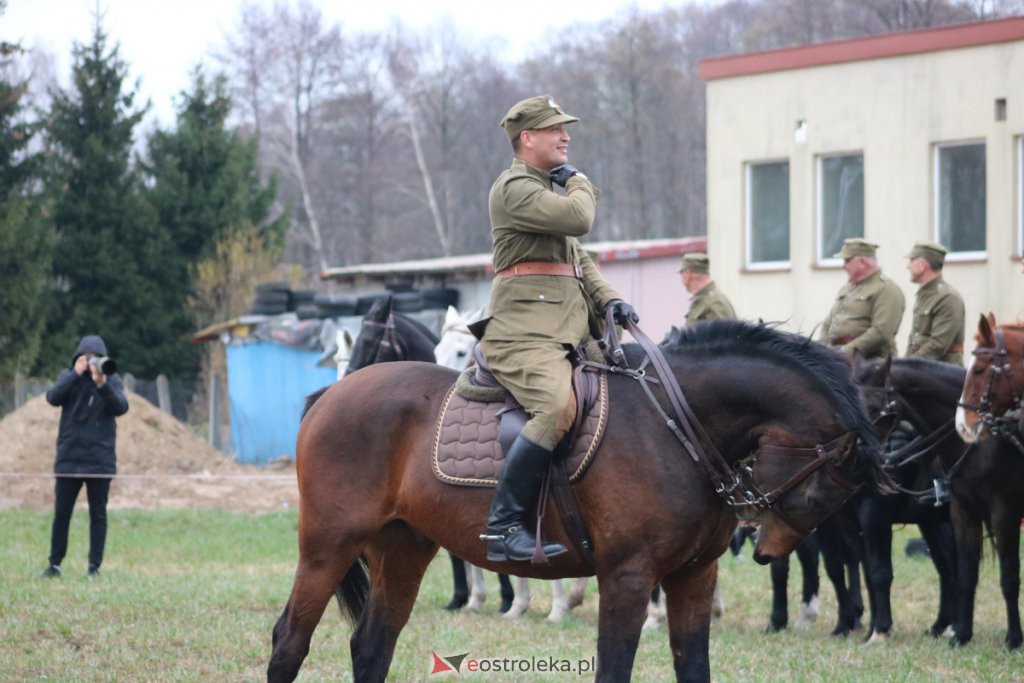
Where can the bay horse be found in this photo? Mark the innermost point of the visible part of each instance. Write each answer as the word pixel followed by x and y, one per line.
pixel 387 337
pixel 988 483
pixel 776 431
pixel 923 393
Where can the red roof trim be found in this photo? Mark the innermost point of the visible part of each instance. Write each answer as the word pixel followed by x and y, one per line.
pixel 684 246
pixel 860 49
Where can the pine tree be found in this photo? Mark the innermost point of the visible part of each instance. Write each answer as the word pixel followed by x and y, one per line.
pixel 114 268
pixel 25 231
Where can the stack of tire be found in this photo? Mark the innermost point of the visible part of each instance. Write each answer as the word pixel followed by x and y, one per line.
pixel 271 298
pixel 333 306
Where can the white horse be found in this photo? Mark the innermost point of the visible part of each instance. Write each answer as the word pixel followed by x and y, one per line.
pixel 455 350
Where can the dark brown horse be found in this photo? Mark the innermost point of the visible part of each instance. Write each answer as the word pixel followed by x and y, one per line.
pixel 780 412
pixel 988 485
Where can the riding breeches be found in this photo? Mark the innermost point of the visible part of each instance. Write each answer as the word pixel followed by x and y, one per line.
pixel 539 375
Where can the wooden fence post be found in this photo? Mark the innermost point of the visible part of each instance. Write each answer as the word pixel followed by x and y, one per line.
pixel 19 390
pixel 163 393
pixel 215 401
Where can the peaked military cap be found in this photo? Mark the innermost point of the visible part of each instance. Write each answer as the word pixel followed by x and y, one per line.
pixel 695 263
pixel 533 114
pixel 855 246
pixel 926 249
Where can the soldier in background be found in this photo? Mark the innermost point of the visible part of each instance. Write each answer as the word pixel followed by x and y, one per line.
pixel 706 301
pixel 938 327
pixel 868 309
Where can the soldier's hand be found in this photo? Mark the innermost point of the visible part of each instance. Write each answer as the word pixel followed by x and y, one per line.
pixel 560 174
pixel 621 312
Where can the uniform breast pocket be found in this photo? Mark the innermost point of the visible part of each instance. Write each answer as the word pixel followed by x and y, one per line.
pixel 859 307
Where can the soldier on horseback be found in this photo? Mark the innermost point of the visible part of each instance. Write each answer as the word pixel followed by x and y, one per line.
pixel 546 299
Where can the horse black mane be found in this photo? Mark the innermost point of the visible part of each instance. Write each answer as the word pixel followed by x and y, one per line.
pixel 953 374
pixel 825 367
pixel 419 327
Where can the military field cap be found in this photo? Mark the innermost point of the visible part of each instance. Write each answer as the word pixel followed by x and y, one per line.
pixel 695 263
pixel 926 249
pixel 855 246
pixel 533 114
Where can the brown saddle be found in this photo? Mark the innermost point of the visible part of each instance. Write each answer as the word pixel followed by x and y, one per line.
pixel 479 419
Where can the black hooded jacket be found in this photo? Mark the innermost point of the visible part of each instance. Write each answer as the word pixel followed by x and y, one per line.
pixel 85 441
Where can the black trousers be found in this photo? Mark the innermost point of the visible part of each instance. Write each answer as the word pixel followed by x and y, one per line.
pixel 66 492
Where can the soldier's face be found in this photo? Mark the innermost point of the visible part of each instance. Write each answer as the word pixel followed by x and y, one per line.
pixel 917 268
pixel 549 146
pixel 852 266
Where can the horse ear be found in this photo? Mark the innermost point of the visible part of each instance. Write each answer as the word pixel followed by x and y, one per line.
pixel 349 342
pixel 985 327
pixel 451 317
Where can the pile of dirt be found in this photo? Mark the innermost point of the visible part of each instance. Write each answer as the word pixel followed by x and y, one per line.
pixel 161 463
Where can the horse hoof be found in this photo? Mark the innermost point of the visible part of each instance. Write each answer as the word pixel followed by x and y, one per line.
pixel 939 630
pixel 774 628
pixel 959 641
pixel 1013 641
pixel 809 612
pixel 877 637
pixel 556 616
pixel 840 632
pixel 457 603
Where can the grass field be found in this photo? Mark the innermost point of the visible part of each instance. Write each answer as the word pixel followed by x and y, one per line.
pixel 192 596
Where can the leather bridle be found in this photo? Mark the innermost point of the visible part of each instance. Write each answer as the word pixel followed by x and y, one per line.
pixel 388 340
pixel 733 483
pixel 1000 369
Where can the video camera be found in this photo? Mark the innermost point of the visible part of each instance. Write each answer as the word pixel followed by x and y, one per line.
pixel 105 364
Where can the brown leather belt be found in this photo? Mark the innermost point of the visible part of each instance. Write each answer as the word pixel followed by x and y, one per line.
pixel 845 339
pixel 542 268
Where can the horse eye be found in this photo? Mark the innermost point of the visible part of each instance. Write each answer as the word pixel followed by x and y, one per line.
pixel 461 353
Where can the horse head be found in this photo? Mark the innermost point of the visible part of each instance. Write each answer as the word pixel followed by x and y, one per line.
pixel 344 344
pixel 994 380
pixel 376 340
pixel 455 348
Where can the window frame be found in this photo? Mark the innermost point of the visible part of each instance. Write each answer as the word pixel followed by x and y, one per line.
pixel 936 198
pixel 1020 197
pixel 820 259
pixel 749 264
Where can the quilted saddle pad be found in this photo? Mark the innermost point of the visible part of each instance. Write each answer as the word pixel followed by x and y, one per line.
pixel 466 447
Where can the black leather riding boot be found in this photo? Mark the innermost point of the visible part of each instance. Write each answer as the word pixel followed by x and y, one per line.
pixel 508 538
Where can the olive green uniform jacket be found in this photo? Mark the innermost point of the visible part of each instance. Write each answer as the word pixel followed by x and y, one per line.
pixel 865 317
pixel 938 331
pixel 534 318
pixel 709 304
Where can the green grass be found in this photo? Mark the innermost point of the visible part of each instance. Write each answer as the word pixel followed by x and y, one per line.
pixel 192 596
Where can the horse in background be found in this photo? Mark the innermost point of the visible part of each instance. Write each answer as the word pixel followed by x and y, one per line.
pixel 920 394
pixel 987 481
pixel 455 351
pixel 778 423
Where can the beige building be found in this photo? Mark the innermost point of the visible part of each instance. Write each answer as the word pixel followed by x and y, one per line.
pixel 895 138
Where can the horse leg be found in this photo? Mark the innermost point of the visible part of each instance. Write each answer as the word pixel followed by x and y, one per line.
pixel 623 604
pixel 688 596
pixel 397 559
pixel 578 591
pixel 779 618
pixel 478 589
pixel 807 553
pixel 968 532
pixel 522 599
pixel 835 569
pixel 559 601
pixel 460 596
pixel 508 594
pixel 1006 527
pixel 941 545
pixel 878 571
pixel 717 604
pixel 317 578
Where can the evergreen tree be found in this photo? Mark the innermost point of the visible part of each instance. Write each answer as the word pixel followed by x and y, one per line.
pixel 114 268
pixel 25 238
pixel 205 177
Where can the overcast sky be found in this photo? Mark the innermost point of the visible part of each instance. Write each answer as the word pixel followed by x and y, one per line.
pixel 163 39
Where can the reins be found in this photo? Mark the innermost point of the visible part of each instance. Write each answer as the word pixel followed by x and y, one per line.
pixel 734 485
pixel 999 425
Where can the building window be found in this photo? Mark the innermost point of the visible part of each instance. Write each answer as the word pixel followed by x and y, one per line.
pixel 768 214
pixel 840 203
pixel 960 198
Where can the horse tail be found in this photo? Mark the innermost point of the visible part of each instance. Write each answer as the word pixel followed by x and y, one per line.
pixel 311 399
pixel 354 590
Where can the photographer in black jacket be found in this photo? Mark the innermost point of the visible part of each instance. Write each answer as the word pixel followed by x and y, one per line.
pixel 89 402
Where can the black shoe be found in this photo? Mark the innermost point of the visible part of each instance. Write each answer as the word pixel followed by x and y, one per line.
pixel 52 572
pixel 508 538
pixel 94 572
